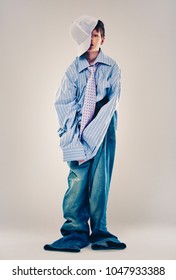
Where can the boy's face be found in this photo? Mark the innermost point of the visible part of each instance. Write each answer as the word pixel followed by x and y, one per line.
pixel 96 41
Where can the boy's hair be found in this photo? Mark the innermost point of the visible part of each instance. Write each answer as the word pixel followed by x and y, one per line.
pixel 100 27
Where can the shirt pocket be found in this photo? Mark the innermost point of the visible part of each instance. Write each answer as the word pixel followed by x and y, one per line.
pixel 102 89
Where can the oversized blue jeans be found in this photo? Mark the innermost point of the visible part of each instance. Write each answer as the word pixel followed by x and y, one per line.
pixel 85 201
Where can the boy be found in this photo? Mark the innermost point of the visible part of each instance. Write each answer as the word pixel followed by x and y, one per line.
pixel 86 107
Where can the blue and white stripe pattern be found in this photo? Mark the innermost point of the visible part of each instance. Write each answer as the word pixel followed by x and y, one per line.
pixel 69 103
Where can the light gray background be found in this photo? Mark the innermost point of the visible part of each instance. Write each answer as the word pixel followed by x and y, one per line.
pixel 35 51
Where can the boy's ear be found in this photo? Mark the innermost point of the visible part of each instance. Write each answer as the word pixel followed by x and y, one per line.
pixel 102 40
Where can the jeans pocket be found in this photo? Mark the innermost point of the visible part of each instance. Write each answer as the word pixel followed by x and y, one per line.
pixel 72 163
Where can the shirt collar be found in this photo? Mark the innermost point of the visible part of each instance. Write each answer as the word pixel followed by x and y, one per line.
pixel 101 58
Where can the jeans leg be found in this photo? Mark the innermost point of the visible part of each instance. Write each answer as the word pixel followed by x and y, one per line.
pixel 75 230
pixel 76 199
pixel 100 176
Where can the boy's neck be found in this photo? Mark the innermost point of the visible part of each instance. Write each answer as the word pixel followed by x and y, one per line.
pixel 91 56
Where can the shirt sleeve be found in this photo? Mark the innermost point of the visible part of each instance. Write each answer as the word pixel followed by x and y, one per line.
pixel 94 133
pixel 66 107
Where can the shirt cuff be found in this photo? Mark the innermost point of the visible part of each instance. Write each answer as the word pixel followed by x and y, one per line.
pixel 70 154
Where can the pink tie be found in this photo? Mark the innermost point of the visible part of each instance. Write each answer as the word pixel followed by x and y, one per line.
pixel 89 99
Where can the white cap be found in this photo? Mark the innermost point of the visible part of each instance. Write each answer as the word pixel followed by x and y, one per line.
pixel 80 30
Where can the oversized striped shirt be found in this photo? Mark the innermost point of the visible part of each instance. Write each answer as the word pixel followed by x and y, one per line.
pixel 69 103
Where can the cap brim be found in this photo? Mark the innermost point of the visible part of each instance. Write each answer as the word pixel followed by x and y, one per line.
pixel 82 48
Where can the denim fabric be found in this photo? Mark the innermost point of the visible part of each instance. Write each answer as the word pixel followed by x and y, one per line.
pixel 72 242
pixel 85 201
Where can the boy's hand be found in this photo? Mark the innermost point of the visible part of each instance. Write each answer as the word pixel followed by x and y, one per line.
pixel 81 161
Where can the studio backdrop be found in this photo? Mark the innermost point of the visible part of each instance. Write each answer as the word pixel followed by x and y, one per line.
pixel 36 49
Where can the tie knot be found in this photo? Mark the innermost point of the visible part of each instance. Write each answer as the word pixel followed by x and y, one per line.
pixel 92 69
